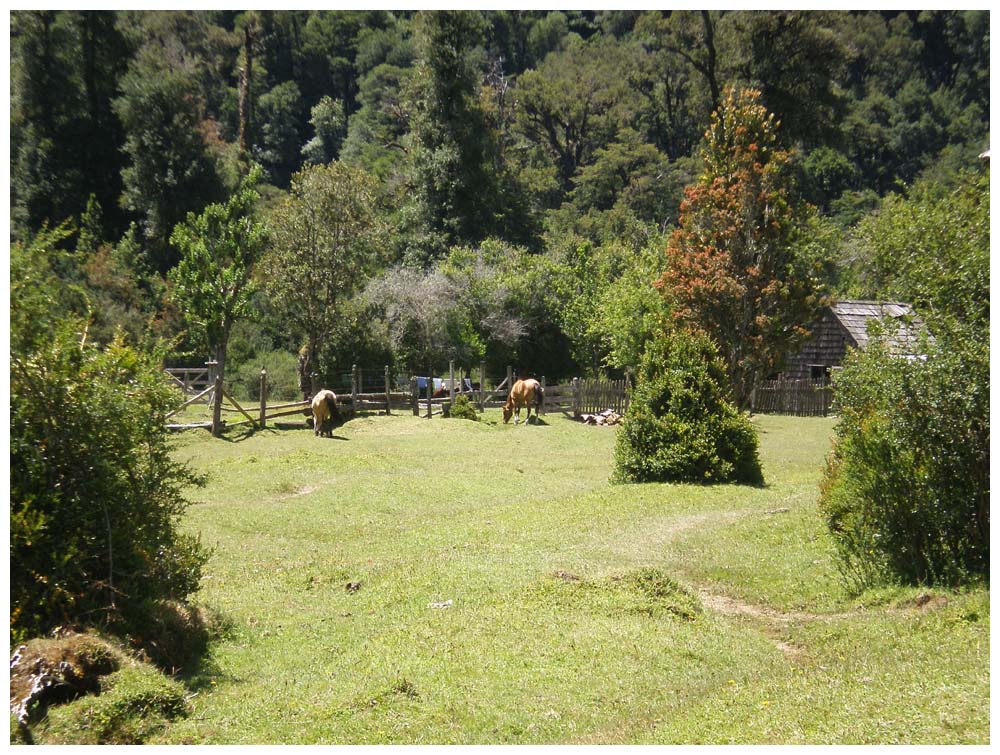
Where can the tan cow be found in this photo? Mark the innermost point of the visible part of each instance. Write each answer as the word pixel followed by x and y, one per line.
pixel 325 412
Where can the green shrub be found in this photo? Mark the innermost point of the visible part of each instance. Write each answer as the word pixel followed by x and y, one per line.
pixel 282 377
pixel 681 425
pixel 463 409
pixel 906 489
pixel 94 493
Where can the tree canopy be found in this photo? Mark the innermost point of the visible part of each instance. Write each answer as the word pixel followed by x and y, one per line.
pixel 567 135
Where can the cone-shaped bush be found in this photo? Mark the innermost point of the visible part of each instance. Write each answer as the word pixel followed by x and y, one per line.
pixel 681 424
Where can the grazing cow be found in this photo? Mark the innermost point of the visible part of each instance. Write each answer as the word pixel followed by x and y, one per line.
pixel 524 393
pixel 325 412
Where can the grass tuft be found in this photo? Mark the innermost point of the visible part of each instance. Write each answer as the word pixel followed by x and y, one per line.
pixel 134 703
pixel 660 594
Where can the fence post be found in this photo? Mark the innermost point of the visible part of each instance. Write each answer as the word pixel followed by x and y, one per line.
pixel 354 390
pixel 576 398
pixel 388 402
pixel 543 397
pixel 263 397
pixel 482 386
pixel 510 379
pixel 430 393
pixel 451 381
pixel 415 395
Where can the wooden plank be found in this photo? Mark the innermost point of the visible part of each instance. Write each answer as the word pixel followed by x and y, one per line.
pixel 241 422
pixel 490 396
pixel 189 401
pixel 245 414
pixel 286 413
pixel 179 382
pixel 300 404
pixel 191 425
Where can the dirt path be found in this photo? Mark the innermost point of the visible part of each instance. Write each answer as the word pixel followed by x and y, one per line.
pixel 771 622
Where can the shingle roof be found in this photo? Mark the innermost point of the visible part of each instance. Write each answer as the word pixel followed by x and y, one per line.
pixel 855 316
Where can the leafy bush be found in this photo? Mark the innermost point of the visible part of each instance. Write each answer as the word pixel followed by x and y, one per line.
pixel 906 489
pixel 681 425
pixel 282 377
pixel 661 593
pixel 463 409
pixel 95 496
pixel 173 635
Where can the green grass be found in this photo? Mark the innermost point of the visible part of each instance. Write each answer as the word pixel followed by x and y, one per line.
pixel 510 594
pixel 135 703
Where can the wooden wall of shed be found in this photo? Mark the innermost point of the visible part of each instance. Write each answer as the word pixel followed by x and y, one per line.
pixel 827 347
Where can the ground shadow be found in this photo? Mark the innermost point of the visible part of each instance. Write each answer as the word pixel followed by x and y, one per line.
pixel 234 435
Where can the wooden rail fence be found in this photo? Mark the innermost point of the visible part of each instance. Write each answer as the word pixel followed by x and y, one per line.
pixel 573 399
pixel 800 398
pixel 191 380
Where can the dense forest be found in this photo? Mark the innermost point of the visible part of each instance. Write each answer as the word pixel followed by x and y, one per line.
pixel 513 175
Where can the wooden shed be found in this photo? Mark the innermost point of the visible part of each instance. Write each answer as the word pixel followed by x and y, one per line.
pixel 844 325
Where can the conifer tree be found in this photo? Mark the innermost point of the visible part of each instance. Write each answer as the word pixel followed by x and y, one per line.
pixel 732 268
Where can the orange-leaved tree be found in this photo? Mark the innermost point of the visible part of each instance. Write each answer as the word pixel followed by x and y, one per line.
pixel 732 270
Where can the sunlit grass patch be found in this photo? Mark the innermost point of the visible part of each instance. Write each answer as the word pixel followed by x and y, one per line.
pixel 416 581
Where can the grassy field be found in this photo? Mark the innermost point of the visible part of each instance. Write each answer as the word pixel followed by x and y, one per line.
pixel 509 594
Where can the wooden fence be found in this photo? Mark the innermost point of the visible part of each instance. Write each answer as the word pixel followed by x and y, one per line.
pixel 191 380
pixel 800 398
pixel 573 399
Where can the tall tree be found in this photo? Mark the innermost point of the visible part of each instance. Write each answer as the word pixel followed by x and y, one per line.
pixel 796 60
pixel 933 249
pixel 327 238
pixel 674 108
pixel 251 34
pixel 65 68
pixel 329 121
pixel 692 35
pixel 170 171
pixel 213 280
pixel 575 101
pixel 453 147
pixel 732 269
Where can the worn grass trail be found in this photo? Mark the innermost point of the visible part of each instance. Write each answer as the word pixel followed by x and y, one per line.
pixel 509 594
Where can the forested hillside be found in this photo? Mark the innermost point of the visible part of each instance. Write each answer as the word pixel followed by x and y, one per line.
pixel 520 170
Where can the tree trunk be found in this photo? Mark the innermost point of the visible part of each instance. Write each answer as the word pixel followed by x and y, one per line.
pixel 710 66
pixel 220 359
pixel 313 364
